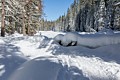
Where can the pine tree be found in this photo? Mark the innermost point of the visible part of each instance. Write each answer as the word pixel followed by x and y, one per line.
pixel 117 16
pixel 92 15
pixel 101 15
pixel 18 14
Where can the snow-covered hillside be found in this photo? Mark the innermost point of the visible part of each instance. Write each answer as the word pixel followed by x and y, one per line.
pixel 39 57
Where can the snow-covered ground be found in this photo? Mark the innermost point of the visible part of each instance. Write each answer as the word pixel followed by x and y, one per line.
pixel 39 57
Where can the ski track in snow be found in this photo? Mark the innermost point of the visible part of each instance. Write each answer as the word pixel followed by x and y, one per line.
pixel 95 68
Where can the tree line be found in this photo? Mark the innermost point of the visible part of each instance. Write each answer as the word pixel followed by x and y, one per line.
pixel 22 16
pixel 90 15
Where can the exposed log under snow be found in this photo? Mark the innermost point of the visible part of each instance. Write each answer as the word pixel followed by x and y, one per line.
pixel 88 40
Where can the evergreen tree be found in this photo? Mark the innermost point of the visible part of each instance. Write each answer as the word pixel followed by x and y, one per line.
pixel 21 16
pixel 117 16
pixel 91 15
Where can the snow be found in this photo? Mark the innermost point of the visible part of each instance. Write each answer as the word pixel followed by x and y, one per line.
pixel 69 37
pixel 2 70
pixel 90 40
pixel 58 37
pixel 49 68
pixel 40 57
pixel 106 31
pixel 97 64
pixel 49 34
pixel 1 41
pixel 117 4
pixel 10 58
pixel 37 69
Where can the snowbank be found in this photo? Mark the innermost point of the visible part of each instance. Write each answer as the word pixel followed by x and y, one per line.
pixel 58 37
pixel 90 40
pixel 50 34
pixel 101 63
pixel 105 31
pixel 98 40
pixel 68 38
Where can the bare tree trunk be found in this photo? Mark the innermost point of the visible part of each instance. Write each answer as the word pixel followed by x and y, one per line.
pixel 3 17
pixel 28 27
pixel 23 28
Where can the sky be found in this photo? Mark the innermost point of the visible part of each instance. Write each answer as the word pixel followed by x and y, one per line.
pixel 54 8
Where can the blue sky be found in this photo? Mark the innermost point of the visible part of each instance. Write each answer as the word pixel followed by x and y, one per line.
pixel 54 8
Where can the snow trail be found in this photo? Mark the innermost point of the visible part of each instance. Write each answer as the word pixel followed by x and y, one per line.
pixel 71 63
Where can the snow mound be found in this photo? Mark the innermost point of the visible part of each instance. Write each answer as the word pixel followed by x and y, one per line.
pixel 44 41
pixel 50 34
pixel 49 68
pixel 90 40
pixel 68 38
pixel 59 37
pixel 1 41
pixel 106 31
pixel 17 34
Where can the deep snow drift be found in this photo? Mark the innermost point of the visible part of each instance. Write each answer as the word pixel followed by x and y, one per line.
pixel 50 61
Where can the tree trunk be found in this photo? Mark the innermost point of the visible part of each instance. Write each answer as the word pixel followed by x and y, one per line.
pixel 23 28
pixel 28 27
pixel 3 17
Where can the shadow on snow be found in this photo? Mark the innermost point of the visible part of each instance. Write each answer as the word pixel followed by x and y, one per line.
pixel 10 59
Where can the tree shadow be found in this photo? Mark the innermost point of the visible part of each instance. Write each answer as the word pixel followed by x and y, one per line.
pixel 10 59
pixel 11 39
pixel 41 68
pixel 71 73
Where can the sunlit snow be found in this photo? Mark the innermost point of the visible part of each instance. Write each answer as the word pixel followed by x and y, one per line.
pixel 41 57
